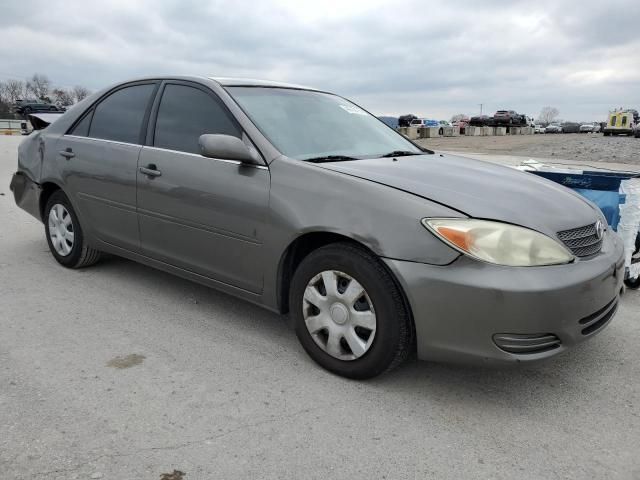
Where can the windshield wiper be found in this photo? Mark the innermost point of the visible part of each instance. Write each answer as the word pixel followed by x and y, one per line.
pixel 400 153
pixel 330 158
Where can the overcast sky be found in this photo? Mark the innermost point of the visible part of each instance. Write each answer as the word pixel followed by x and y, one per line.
pixel 421 57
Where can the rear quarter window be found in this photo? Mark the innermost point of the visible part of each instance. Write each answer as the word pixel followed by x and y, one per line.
pixel 82 127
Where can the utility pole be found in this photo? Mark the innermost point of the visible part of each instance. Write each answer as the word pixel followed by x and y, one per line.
pixel 480 108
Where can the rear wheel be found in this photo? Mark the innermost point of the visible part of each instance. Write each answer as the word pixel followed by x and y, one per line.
pixel 64 234
pixel 348 312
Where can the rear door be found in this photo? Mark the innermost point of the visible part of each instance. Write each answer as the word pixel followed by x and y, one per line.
pixel 99 158
pixel 201 214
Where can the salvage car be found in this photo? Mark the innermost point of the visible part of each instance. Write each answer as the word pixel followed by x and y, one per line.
pixel 539 129
pixel 301 201
pixel 553 128
pixel 482 121
pixel 424 122
pixel 509 117
pixel 570 127
pixel 590 127
pixel 29 106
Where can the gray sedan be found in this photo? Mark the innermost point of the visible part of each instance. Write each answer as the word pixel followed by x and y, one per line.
pixel 302 202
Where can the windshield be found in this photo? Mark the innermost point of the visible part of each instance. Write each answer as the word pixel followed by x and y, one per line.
pixel 303 124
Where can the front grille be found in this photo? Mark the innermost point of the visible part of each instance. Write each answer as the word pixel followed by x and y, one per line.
pixel 583 241
pixel 599 319
pixel 526 343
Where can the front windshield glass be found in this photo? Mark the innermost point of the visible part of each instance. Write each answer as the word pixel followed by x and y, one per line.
pixel 303 124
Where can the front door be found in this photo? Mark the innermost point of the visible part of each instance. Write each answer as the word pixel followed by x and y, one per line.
pixel 201 214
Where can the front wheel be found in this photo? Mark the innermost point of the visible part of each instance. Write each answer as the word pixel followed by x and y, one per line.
pixel 348 312
pixel 64 234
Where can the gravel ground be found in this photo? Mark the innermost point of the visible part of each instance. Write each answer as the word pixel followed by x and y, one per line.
pixel 123 372
pixel 571 146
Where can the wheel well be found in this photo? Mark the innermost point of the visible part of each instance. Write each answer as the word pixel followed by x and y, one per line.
pixel 296 252
pixel 303 246
pixel 47 190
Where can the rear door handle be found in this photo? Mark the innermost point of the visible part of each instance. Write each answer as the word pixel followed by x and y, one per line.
pixel 67 153
pixel 150 170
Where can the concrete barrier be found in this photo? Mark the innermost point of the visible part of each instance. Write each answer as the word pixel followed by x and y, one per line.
pixel 526 131
pixel 487 131
pixel 450 131
pixel 472 131
pixel 500 131
pixel 429 132
pixel 413 133
pixel 515 130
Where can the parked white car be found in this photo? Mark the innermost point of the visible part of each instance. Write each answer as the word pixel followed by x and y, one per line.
pixel 590 127
pixel 553 128
pixel 539 129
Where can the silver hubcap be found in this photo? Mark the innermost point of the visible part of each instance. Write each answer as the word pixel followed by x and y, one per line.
pixel 61 230
pixel 339 315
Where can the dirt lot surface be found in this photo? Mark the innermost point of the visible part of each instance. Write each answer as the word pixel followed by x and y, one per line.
pixel 572 146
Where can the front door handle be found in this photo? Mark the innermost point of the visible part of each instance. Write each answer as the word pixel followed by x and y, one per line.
pixel 150 170
pixel 67 153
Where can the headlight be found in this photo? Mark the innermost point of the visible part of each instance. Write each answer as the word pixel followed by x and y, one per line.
pixel 499 243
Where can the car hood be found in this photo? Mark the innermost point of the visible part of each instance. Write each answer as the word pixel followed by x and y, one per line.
pixel 478 189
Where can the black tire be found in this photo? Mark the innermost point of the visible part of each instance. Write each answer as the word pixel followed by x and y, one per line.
pixel 394 332
pixel 632 284
pixel 441 131
pixel 81 254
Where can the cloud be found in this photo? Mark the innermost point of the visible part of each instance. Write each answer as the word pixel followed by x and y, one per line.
pixel 414 56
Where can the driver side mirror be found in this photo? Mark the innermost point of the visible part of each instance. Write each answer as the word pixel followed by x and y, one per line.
pixel 228 147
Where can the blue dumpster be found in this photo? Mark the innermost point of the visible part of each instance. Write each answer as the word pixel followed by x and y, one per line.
pixel 603 189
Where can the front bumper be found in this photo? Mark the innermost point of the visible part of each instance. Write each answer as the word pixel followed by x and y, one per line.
pixel 461 311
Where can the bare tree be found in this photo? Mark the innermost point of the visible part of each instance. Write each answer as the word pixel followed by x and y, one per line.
pixel 548 115
pixel 458 117
pixel 39 86
pixel 62 97
pixel 4 105
pixel 12 90
pixel 80 92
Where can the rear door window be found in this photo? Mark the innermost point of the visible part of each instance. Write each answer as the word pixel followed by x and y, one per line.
pixel 187 112
pixel 119 117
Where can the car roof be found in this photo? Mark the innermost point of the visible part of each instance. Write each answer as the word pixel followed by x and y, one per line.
pixel 252 82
